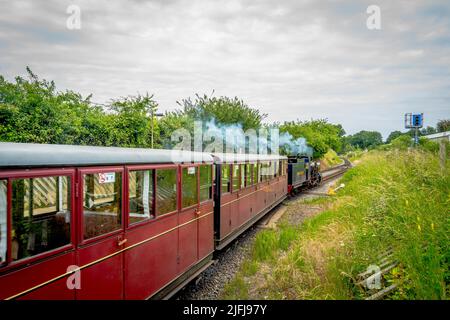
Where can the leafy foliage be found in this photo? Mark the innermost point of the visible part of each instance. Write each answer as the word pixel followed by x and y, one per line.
pixel 223 110
pixel 320 134
pixel 365 139
pixel 443 125
pixel 31 110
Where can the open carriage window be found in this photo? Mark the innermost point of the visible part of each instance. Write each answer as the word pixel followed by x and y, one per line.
pixel 102 212
pixel 40 215
pixel 140 195
pixel 3 223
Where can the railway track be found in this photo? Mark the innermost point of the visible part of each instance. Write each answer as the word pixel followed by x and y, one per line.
pixel 336 171
pixel 209 285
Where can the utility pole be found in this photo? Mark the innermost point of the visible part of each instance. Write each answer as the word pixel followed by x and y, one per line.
pixel 153 114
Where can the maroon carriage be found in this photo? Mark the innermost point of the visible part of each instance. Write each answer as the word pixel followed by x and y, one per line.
pixel 248 186
pixel 80 222
pixel 136 222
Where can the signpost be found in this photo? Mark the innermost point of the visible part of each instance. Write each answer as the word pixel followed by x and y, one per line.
pixel 414 121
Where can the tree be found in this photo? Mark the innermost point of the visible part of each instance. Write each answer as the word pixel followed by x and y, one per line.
pixel 31 110
pixel 365 139
pixel 223 110
pixel 169 123
pixel 393 135
pixel 443 125
pixel 319 134
pixel 131 123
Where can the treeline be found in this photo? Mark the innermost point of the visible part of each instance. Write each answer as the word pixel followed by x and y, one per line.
pixel 33 111
pixel 372 139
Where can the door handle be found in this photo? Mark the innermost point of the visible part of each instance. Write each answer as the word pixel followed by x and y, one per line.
pixel 121 242
pixel 197 211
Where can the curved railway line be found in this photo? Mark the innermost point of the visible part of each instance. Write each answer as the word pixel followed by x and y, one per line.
pixel 210 284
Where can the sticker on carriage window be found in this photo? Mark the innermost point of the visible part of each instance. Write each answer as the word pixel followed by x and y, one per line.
pixel 107 177
pixel 191 170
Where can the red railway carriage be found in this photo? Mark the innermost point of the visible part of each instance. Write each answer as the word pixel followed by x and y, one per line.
pixel 247 187
pixel 81 222
pixel 136 222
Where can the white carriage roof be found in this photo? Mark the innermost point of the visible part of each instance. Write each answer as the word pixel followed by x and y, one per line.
pixel 244 157
pixel 53 155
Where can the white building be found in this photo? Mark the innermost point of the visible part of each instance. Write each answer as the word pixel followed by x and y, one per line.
pixel 439 136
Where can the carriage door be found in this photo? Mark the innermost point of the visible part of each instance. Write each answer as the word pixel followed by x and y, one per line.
pixel 188 231
pixel 101 237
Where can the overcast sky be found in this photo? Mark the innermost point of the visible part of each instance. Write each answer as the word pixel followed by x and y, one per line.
pixel 290 59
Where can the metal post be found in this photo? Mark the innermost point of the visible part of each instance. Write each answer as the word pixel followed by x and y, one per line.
pixel 442 154
pixel 152 126
pixel 416 138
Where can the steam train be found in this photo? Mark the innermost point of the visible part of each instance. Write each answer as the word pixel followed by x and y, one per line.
pixel 80 222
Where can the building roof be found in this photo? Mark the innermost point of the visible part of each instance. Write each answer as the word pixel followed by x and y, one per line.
pixel 438 135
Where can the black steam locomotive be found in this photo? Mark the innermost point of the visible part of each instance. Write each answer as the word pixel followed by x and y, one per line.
pixel 303 171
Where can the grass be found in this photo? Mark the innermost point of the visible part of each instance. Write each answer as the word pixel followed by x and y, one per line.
pixel 330 159
pixel 397 199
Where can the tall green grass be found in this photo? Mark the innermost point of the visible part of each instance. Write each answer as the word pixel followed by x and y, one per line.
pixel 392 199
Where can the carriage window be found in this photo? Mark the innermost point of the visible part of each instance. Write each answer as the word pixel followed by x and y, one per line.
pixel 248 174
pixel 2 221
pixel 255 173
pixel 243 172
pixel 225 178
pixel 40 215
pixel 263 171
pixel 235 177
pixel 280 168
pixel 189 186
pixel 274 169
pixel 102 212
pixel 205 183
pixel 140 194
pixel 166 191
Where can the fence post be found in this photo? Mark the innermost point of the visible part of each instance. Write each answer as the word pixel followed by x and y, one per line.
pixel 442 154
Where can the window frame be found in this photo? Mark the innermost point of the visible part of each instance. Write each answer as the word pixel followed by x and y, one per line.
pixel 128 169
pixel 11 175
pixel 242 178
pixel 178 192
pixel 211 166
pixel 238 178
pixel 94 170
pixel 230 179
pixel 180 195
pixel 255 173
pixel 7 206
pixel 157 217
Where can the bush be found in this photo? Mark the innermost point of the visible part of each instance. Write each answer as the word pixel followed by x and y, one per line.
pixel 402 142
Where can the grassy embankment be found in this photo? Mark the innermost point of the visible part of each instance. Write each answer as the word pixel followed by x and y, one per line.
pixel 330 159
pixel 397 199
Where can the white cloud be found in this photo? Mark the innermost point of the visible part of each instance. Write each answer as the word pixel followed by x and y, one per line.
pixel 292 59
